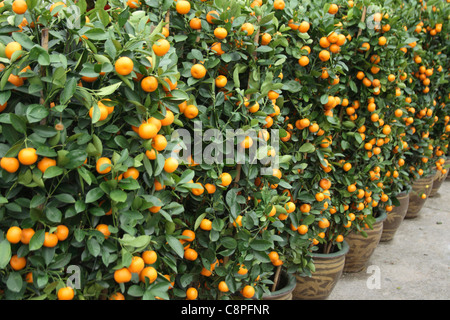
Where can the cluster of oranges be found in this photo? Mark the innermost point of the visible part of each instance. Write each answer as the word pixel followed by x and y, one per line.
pixel 363 112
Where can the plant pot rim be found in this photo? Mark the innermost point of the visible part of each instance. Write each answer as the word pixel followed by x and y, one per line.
pixel 289 287
pixel 381 217
pixel 343 251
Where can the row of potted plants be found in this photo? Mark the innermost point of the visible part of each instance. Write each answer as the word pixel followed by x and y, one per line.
pixel 347 99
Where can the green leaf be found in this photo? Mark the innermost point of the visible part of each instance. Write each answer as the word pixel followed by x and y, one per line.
pixel 5 253
pixel 37 240
pixel 94 195
pixel 69 90
pixel 36 112
pixel 118 195
pixel 52 172
pixel 261 244
pixel 176 245
pixel 307 147
pixel 14 282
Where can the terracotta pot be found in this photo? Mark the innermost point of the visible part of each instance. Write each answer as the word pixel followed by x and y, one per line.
pixel 328 270
pixel 416 202
pixel 361 247
pixel 439 178
pixel 287 283
pixel 395 217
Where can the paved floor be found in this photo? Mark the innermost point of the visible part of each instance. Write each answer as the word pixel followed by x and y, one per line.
pixel 415 265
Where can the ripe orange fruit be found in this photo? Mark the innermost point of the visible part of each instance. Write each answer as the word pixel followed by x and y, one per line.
pixel 210 188
pixel 101 169
pixel 50 240
pixel 226 179
pixel 290 207
pixel 191 111
pixel 147 130
pixel 66 293
pixel 333 9
pixel 149 84
pixel 149 256
pixel 11 48
pixel 116 296
pixel 62 232
pixel 46 163
pixel 248 28
pixel 382 41
pixel 148 273
pixel 9 164
pixel 198 190
pixel 170 165
pixel 131 172
pixel 304 27
pixel 159 142
pixel 27 156
pixel 190 234
pixel 27 234
pixel 195 23
pixel 190 254
pixel 279 4
pixel 14 234
pixel 17 263
pixel 19 6
pixel 220 33
pixel 103 228
pixel 223 287
pixel 161 47
pixel 265 39
pixel 137 264
pixel 133 4
pixel 169 118
pixel 340 238
pixel 302 229
pixel 206 224
pixel 303 61
pixel 198 71
pixel 324 55
pixel 122 275
pixel 191 294
pixel 248 291
pixel 221 81
pixel 124 66
pixel 183 7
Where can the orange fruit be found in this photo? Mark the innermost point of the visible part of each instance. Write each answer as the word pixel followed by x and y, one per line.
pixel 220 33
pixel 212 15
pixel 46 163
pixel 279 4
pixel 159 142
pixel 302 229
pixel 183 7
pixel 190 254
pixel 225 178
pixel 27 156
pixel 103 228
pixel 223 287
pixel 210 188
pixel 9 164
pixel 131 172
pixel 206 224
pixel 248 28
pixel 161 47
pixel 303 61
pixel 304 27
pixel 168 119
pixel 190 234
pixel 116 296
pixel 170 165
pixel 191 294
pixel 62 232
pixel 333 9
pixel 19 6
pixel 17 263
pixel 198 71
pixel 324 55
pixel 198 190
pixel 124 66
pixel 103 169
pixel 191 111
pixel 50 240
pixel 221 81
pixel 14 234
pixel 149 256
pixel 149 84
pixel 248 291
pixel 27 234
pixel 122 275
pixel 147 130
pixel 11 48
pixel 195 23
pixel 290 207
pixel 66 293
pixel 137 264
pixel 133 4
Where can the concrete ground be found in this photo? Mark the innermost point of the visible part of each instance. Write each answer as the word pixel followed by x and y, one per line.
pixel 415 265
